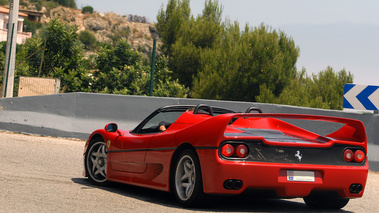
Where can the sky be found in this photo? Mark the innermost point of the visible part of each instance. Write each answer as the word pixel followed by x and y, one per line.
pixel 342 34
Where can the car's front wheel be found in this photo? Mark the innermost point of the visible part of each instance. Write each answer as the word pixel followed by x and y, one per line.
pixel 325 202
pixel 188 187
pixel 96 162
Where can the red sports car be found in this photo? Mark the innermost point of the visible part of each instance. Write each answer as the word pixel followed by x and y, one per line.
pixel 198 150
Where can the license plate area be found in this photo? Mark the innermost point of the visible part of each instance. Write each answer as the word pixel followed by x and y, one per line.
pixel 300 176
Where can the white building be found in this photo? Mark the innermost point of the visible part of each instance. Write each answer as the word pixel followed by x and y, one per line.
pixel 21 36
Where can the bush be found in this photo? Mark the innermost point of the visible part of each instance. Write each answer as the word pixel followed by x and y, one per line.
pixel 87 38
pixel 39 5
pixel 30 26
pixel 87 9
pixel 66 3
pixel 4 2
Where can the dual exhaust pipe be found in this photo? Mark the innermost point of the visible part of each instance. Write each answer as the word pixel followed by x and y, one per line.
pixel 233 184
pixel 355 188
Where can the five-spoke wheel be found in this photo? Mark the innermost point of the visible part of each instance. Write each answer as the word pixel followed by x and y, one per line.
pixel 187 179
pixel 96 162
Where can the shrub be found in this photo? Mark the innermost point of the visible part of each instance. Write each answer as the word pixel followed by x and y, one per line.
pixel 87 9
pixel 87 38
pixel 4 2
pixel 30 26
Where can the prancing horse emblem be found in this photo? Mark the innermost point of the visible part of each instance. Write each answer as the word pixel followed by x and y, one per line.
pixel 298 155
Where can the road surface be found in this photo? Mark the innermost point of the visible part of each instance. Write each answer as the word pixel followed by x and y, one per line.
pixel 44 174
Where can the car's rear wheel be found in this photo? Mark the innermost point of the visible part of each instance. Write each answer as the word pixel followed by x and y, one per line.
pixel 325 202
pixel 188 187
pixel 96 162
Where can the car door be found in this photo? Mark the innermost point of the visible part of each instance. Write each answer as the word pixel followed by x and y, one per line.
pixel 131 154
pixel 133 146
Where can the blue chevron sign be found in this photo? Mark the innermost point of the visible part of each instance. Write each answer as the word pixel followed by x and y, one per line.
pixel 361 97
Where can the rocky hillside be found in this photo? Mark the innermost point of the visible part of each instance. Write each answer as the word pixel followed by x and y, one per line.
pixel 106 26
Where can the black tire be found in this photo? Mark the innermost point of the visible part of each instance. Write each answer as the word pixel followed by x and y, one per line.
pixel 95 162
pixel 187 180
pixel 325 202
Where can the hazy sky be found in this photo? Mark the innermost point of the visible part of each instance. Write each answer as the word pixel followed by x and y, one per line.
pixel 336 33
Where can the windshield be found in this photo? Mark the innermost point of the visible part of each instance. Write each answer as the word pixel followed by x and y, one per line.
pixel 166 117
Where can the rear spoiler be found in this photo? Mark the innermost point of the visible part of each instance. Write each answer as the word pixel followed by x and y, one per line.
pixel 352 130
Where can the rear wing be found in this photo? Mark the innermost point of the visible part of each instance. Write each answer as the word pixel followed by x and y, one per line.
pixel 351 131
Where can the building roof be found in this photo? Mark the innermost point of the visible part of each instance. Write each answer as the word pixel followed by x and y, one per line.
pixel 6 11
pixel 31 12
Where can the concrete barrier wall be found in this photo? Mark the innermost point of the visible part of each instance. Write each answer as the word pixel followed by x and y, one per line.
pixel 76 115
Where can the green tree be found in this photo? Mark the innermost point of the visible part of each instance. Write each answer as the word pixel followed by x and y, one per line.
pixel 164 86
pixel 169 23
pixel 67 3
pixel 219 66
pixel 4 2
pixel 87 9
pixel 88 39
pixel 197 35
pixel 21 68
pixel 34 48
pixel 118 67
pixel 329 86
pixel 31 26
pixel 121 71
pixel 39 4
pixel 244 61
pixel 324 90
pixel 115 61
pixel 63 47
pixel 58 53
pixel 203 44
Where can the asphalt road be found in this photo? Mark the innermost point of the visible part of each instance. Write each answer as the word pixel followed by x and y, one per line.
pixel 44 174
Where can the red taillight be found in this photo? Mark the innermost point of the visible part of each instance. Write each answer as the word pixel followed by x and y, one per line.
pixel 227 150
pixel 241 151
pixel 235 150
pixel 359 156
pixel 348 155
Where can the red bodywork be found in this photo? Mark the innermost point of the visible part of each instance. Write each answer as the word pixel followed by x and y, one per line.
pixel 146 159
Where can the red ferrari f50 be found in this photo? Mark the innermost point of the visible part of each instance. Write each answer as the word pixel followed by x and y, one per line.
pixel 197 150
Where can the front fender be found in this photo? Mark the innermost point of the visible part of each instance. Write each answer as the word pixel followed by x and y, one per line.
pixel 100 133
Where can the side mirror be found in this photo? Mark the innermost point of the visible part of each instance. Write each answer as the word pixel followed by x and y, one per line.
pixel 112 127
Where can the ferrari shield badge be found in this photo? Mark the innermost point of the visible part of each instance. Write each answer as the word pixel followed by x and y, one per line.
pixel 108 143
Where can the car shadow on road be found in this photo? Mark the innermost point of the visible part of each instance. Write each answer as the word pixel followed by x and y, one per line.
pixel 242 203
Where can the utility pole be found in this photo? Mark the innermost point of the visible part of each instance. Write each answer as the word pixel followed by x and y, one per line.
pixel 10 53
pixel 152 69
